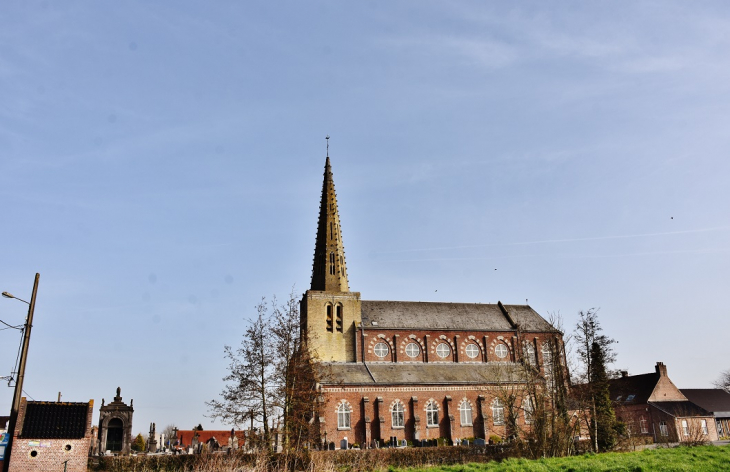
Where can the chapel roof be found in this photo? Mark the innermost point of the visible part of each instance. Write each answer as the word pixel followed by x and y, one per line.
pixel 451 316
pixel 401 373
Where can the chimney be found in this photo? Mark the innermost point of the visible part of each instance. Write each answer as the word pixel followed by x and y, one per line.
pixel 624 374
pixel 661 369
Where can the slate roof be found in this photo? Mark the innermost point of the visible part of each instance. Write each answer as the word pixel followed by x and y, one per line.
pixel 351 373
pixel 681 409
pixel 641 386
pixel 53 420
pixel 715 400
pixel 450 316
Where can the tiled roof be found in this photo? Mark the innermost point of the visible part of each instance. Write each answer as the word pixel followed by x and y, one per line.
pixel 186 437
pixel 341 373
pixel 52 420
pixel 715 400
pixel 451 316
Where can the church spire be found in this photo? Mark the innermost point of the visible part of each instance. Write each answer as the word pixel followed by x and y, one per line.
pixel 328 272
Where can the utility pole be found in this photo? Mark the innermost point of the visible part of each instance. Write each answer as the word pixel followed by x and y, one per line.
pixel 21 372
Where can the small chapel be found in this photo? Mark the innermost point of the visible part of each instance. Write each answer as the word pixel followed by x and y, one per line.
pixel 406 371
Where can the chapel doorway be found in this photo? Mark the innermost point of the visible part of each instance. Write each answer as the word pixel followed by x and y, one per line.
pixel 114 435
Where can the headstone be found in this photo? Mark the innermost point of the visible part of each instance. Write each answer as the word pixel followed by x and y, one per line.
pixel 343 444
pixel 479 442
pixel 403 443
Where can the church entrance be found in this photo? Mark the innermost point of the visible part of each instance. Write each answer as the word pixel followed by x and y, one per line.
pixel 114 435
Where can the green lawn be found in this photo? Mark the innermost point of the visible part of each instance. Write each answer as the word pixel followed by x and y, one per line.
pixel 703 458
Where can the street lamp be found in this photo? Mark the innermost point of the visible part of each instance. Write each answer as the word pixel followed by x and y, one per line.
pixel 21 371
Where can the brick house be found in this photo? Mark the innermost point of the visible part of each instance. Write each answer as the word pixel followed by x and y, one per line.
pixel 49 434
pixel 652 406
pixel 412 370
pixel 714 400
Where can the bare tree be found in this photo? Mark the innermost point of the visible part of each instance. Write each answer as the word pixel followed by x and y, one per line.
pixel 251 383
pixel 723 381
pixel 169 432
pixel 272 377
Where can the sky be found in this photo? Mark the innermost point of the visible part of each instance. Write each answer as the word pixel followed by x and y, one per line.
pixel 161 167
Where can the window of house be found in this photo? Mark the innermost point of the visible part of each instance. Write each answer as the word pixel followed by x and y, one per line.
pixel 529 410
pixel 501 351
pixel 498 411
pixel 530 356
pixel 663 428
pixel 397 415
pixel 443 350
pixel 413 349
pixel 472 351
pixel 465 413
pixel 343 416
pixel 381 350
pixel 432 414
pixel 685 428
pixel 643 425
pixel 704 428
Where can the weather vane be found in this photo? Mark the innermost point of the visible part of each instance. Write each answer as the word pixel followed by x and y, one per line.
pixel 328 144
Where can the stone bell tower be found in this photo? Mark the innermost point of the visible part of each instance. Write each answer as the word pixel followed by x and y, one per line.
pixel 330 311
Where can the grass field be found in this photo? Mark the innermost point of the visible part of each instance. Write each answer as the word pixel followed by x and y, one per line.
pixel 703 458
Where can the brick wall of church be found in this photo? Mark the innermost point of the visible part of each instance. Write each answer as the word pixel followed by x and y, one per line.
pixel 371 413
pixel 460 346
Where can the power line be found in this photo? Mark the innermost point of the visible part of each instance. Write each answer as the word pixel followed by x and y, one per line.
pixel 10 326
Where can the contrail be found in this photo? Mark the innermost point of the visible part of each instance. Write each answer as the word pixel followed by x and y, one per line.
pixel 573 256
pixel 567 240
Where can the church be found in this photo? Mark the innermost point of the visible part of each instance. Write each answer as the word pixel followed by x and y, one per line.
pixel 411 371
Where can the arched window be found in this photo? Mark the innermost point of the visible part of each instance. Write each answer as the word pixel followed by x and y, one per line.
pixel 643 426
pixel 332 263
pixel 547 363
pixel 397 415
pixel 529 410
pixel 465 413
pixel 339 318
pixel 432 414
pixel 330 322
pixel 498 412
pixel 343 416
pixel 530 356
pixel 472 351
pixel 443 350
pixel 663 428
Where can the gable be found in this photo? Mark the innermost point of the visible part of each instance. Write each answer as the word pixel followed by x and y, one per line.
pixel 665 391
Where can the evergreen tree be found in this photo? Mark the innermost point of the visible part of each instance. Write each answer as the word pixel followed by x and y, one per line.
pixel 604 424
pixel 139 443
